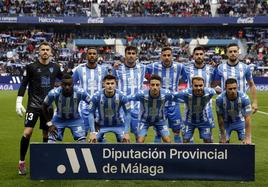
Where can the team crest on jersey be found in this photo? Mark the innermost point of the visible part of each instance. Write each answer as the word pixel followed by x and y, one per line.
pixel 207 72
pixel 90 105
pixel 117 102
pixel 51 69
pixel 39 70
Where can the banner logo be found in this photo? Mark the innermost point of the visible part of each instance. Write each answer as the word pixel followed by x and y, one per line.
pixel 74 162
pixel 245 20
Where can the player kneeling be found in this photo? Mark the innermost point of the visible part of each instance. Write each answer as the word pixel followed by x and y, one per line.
pixel 233 110
pixel 152 109
pixel 109 103
pixel 196 99
pixel 66 98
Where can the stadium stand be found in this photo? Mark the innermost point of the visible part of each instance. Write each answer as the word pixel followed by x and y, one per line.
pixel 220 27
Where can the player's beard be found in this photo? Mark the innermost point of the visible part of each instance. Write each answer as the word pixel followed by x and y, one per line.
pixel 68 93
pixel 130 62
pixel 92 61
pixel 167 63
pixel 233 60
pixel 199 93
pixel 154 93
pixel 199 61
pixel 44 57
pixel 232 96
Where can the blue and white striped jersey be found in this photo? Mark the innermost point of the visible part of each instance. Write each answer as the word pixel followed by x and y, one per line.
pixel 108 109
pixel 130 80
pixel 207 73
pixel 152 109
pixel 170 76
pixel 233 111
pixel 195 112
pixel 67 107
pixel 90 79
pixel 241 72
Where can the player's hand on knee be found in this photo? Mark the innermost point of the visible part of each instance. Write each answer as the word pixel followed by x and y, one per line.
pixel 92 137
pixel 254 108
pixel 126 138
pixel 218 89
pixel 19 107
pixel 246 141
pixel 53 130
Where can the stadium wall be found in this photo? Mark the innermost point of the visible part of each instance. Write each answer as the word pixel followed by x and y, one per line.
pixel 202 20
pixel 13 83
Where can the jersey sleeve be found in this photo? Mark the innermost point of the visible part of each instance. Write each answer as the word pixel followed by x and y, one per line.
pixel 246 105
pixel 25 81
pixel 135 97
pixel 125 104
pixel 84 95
pixel 50 97
pixel 60 73
pixel 75 75
pixel 219 108
pixel 248 74
pixel 183 73
pixel 217 73
pixel 93 104
pixel 148 71
pixel 180 96
pixel 212 92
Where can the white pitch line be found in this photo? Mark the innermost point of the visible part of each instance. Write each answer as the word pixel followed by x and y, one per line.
pixel 262 112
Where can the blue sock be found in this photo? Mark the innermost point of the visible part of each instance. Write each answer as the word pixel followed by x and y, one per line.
pixel 177 138
pixel 157 139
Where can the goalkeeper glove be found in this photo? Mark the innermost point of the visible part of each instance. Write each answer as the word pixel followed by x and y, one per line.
pixel 19 107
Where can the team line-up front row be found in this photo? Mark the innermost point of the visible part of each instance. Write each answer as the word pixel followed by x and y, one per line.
pixel 112 109
pixel 116 101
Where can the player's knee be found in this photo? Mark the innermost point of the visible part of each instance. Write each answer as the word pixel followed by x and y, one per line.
pixel 124 140
pixel 27 133
pixel 166 139
pixel 140 139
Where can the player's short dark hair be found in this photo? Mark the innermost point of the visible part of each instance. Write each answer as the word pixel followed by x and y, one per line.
pixel 166 49
pixel 155 77
pixel 199 48
pixel 109 77
pixel 44 43
pixel 66 76
pixel 131 48
pixel 232 45
pixel 230 81
pixel 197 78
pixel 89 48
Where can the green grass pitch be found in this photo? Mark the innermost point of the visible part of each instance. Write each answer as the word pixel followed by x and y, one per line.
pixel 12 127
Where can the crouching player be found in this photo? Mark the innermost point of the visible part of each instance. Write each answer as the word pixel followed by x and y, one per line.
pixel 152 106
pixel 233 109
pixel 196 99
pixel 109 103
pixel 67 98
